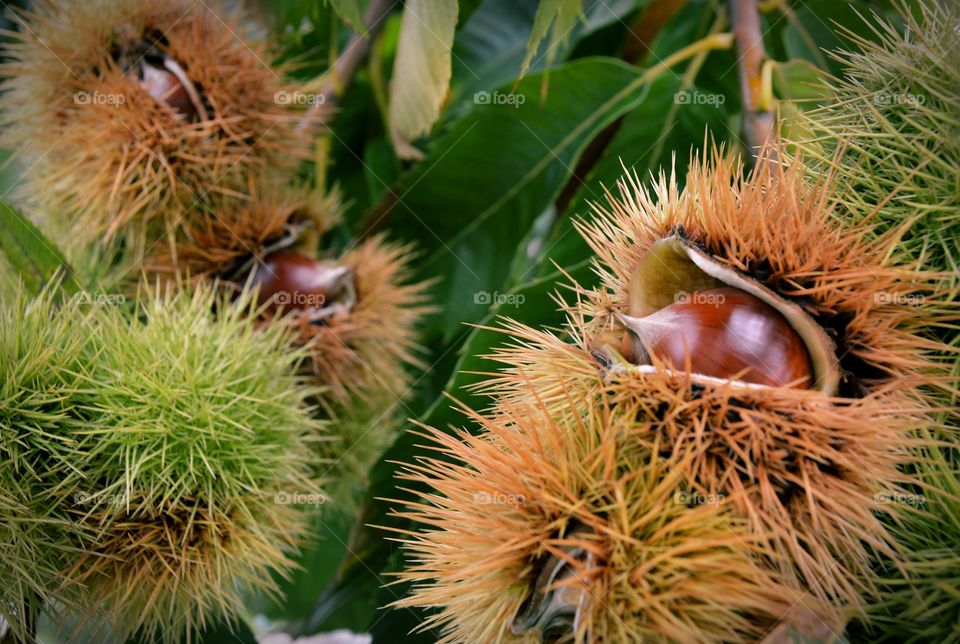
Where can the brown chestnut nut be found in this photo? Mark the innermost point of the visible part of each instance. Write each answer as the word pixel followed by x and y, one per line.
pixel 291 281
pixel 725 333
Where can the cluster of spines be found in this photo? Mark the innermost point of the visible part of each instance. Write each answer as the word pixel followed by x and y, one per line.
pixel 128 182
pixel 890 133
pixel 154 476
pixel 890 137
pixel 803 470
pixel 111 162
pixel 529 486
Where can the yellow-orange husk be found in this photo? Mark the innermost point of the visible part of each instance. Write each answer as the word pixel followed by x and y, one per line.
pixel 807 470
pixel 360 354
pixel 657 569
pixel 239 228
pixel 175 570
pixel 111 161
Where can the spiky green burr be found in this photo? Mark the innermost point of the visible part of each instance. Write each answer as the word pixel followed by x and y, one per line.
pixel 41 371
pixel 171 457
pixel 891 136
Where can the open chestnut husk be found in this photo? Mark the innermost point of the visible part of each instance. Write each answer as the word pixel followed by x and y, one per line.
pixel 162 77
pixel 693 313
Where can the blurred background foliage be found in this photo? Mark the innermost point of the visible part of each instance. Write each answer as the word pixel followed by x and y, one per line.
pixel 510 163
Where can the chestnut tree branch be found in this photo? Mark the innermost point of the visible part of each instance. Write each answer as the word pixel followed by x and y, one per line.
pixel 338 77
pixel 758 118
pixel 646 26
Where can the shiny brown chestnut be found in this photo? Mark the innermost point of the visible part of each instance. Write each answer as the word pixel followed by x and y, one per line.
pixel 290 281
pixel 724 333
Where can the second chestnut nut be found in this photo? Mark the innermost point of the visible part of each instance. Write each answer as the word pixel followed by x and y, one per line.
pixel 290 281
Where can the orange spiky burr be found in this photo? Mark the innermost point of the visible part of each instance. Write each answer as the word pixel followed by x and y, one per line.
pixel 133 114
pixel 567 527
pixel 806 467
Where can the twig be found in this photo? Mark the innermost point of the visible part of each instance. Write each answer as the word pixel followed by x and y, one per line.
pixel 346 65
pixel 758 120
pixel 380 214
pixel 647 25
pixel 707 43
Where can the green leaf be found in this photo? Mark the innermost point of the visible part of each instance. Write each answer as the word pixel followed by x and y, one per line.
pixel 317 563
pixel 799 86
pixel 533 304
pixel 421 71
pixel 490 46
pixel 351 12
pixel 38 261
pixel 558 17
pixel 798 80
pixel 380 167
pixel 659 134
pixel 529 252
pixel 467 7
pixel 816 28
pixel 486 180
